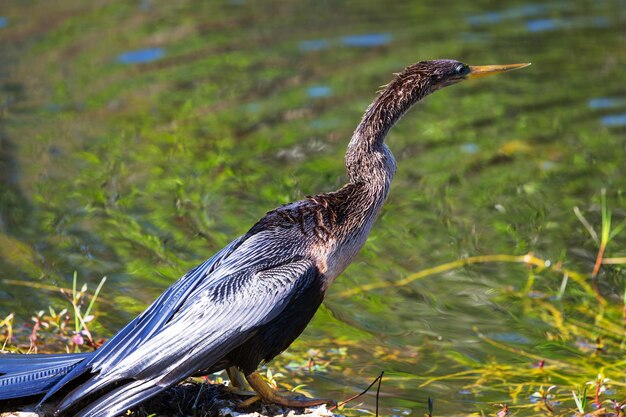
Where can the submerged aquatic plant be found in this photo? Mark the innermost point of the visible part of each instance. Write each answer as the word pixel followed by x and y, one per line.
pixel 584 336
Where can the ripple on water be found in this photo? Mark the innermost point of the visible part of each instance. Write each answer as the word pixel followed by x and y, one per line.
pixel 613 120
pixel 537 21
pixel 141 56
pixel 470 148
pixel 605 102
pixel 542 25
pixel 253 107
pixel 367 40
pixel 545 25
pixel 313 45
pixel 319 91
pixel 518 12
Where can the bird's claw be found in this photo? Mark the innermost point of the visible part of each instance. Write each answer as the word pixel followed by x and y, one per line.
pixel 270 396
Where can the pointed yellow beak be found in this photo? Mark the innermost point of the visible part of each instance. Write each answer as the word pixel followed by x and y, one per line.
pixel 484 70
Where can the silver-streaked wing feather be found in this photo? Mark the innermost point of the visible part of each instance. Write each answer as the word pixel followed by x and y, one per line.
pixel 150 321
pixel 212 326
pixel 246 290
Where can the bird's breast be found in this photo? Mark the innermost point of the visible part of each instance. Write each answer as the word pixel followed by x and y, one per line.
pixel 336 254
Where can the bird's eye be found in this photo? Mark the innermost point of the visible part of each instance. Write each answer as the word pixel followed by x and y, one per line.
pixel 462 70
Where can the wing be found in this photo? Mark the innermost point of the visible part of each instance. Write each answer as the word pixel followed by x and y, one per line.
pixel 245 291
pixel 150 321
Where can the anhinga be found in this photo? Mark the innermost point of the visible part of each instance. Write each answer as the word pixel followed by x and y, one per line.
pixel 252 299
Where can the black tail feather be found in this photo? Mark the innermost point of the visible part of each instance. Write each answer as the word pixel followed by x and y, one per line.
pixel 30 375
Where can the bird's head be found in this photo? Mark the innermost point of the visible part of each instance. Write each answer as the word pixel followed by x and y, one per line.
pixel 433 75
pixel 394 99
pixel 414 83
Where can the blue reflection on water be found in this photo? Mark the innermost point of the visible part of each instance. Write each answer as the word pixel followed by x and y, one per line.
pixel 537 22
pixel 3 21
pixel 605 102
pixel 313 45
pixel 367 40
pixel 542 25
pixel 490 17
pixel 600 22
pixel 253 107
pixel 469 148
pixel 319 91
pixel 141 56
pixel 362 41
pixel 614 120
pixel 526 10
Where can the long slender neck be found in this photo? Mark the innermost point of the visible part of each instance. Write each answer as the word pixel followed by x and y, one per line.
pixel 368 160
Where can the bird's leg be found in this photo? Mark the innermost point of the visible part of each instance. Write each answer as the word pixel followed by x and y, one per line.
pixel 270 396
pixel 237 379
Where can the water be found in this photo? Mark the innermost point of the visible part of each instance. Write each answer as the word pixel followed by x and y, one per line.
pixel 141 56
pixel 138 138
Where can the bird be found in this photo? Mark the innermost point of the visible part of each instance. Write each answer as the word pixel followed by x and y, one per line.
pixel 254 297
